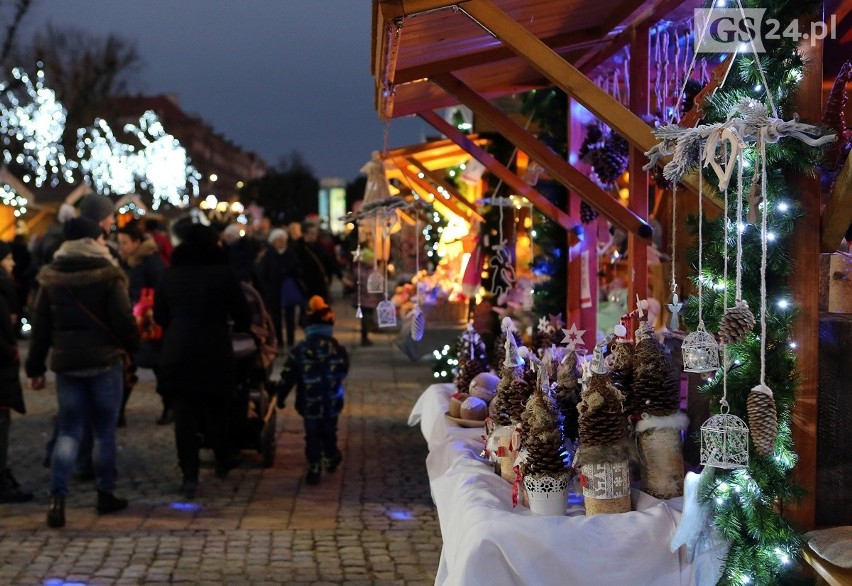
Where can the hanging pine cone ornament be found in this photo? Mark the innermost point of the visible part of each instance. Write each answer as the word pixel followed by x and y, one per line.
pixel 610 161
pixel 541 426
pixel 587 213
pixel 737 322
pixel 656 382
pixel 593 141
pixel 567 393
pixel 762 419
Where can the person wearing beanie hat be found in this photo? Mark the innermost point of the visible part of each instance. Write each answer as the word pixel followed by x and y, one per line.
pixel 83 313
pixel 11 394
pixel 317 367
pixel 279 276
pixel 100 209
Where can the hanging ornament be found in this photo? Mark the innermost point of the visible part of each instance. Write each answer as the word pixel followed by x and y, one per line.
pixel 418 324
pixel 724 441
pixel 532 173
pixel 762 419
pixel 418 318
pixel 376 187
pixel 736 323
pixel 356 259
pixel 700 349
pixel 376 280
pixel 675 307
pixel 502 271
pixel 385 310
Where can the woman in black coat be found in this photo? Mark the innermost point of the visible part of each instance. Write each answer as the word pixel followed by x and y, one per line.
pixel 280 275
pixel 198 297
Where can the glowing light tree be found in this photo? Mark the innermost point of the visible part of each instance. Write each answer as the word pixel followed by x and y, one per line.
pixel 32 122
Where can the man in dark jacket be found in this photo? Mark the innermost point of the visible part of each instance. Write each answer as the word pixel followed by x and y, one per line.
pixel 197 298
pixel 83 313
pixel 318 266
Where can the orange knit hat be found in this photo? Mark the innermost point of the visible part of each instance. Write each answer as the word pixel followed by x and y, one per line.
pixel 319 312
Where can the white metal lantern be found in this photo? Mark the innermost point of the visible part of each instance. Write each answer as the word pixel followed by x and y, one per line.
pixel 386 314
pixel 700 351
pixel 376 282
pixel 724 441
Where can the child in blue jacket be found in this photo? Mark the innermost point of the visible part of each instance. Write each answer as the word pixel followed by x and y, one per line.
pixel 317 367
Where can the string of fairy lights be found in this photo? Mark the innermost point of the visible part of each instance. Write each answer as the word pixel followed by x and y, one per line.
pixel 144 157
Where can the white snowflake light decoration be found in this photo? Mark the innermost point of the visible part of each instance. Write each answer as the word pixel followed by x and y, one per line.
pixel 111 165
pixel 32 126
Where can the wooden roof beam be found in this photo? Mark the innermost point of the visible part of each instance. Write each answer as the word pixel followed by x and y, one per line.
pixel 438 180
pixel 558 168
pixel 511 179
pixel 437 196
pixel 561 42
pixel 561 73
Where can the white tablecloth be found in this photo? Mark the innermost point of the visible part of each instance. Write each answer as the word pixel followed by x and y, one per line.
pixel 486 541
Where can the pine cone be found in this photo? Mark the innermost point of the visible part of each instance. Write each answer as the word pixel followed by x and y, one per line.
pixel 594 140
pixel 467 371
pixel 501 404
pixel 567 394
pixel 517 394
pixel 656 382
pixel 762 420
pixel 621 365
pixel 737 322
pixel 541 425
pixel 601 420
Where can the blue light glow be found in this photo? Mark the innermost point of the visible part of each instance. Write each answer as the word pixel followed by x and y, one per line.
pixel 400 515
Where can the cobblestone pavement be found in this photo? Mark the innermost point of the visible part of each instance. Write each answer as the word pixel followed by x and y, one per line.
pixel 371 522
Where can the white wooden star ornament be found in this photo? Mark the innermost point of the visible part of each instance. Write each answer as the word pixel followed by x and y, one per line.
pixel 573 337
pixel 544 325
pixel 356 254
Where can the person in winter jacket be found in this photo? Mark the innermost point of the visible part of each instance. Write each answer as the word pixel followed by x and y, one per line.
pixel 317 367
pixel 318 266
pixel 11 396
pixel 280 276
pixel 141 260
pixel 195 302
pixel 83 314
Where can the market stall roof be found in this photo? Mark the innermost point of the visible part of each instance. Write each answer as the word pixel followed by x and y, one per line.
pixel 434 155
pixel 414 40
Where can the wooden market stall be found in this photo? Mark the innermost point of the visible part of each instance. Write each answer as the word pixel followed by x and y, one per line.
pixel 431 54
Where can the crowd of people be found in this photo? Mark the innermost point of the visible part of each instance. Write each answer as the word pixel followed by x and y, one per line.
pixel 103 302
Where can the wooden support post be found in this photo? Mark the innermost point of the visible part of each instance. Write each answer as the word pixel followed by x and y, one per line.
pixel 559 169
pixel 544 205
pixel 438 180
pixel 582 255
pixel 804 282
pixel 837 215
pixel 637 248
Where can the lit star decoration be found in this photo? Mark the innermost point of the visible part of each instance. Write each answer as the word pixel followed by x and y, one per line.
pixel 675 307
pixel 356 254
pixel 544 326
pixel 573 337
pixel 32 126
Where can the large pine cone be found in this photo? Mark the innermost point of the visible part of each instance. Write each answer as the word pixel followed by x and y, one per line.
pixel 587 213
pixel 567 394
pixel 656 381
pixel 601 419
pixel 621 364
pixel 541 424
pixel 737 322
pixel 467 371
pixel 762 420
pixel 545 457
pixel 501 400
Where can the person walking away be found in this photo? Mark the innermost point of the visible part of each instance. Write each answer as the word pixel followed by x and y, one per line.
pixel 83 313
pixel 317 367
pixel 195 301
pixel 241 251
pixel 140 259
pixel 11 395
pixel 280 277
pixel 318 266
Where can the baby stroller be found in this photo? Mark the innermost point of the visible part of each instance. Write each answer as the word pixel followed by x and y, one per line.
pixel 254 423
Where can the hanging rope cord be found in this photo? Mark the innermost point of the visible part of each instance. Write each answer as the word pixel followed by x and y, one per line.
pixel 700 240
pixel 762 148
pixel 724 401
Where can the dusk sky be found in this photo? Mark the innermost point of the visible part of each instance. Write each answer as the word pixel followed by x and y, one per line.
pixel 273 76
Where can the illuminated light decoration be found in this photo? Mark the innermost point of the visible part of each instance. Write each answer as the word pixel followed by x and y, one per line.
pixel 32 128
pixel 167 169
pixel 111 166
pixel 11 198
pixel 783 206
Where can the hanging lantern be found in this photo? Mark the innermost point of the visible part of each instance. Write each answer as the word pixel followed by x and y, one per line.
pixel 700 351
pixel 376 282
pixel 724 441
pixel 386 314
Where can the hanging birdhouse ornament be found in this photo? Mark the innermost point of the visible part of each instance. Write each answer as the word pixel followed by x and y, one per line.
pixel 700 351
pixel 724 441
pixel 386 314
pixel 376 282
